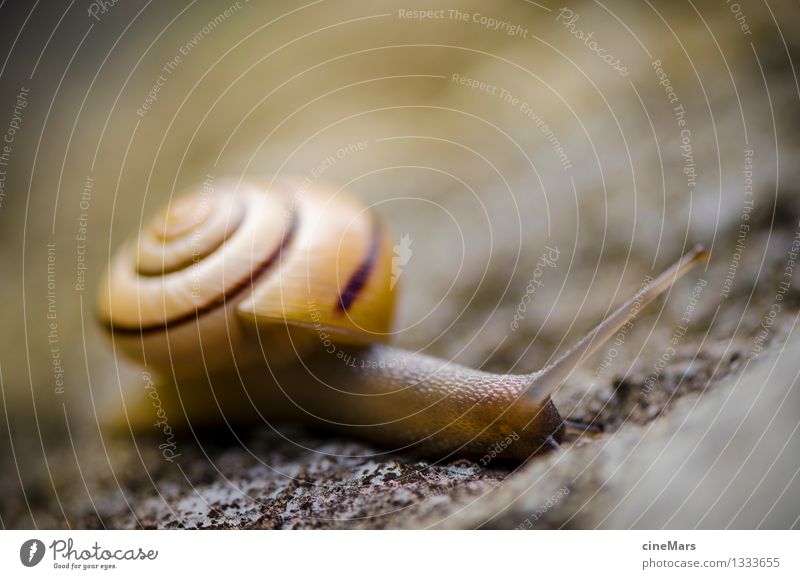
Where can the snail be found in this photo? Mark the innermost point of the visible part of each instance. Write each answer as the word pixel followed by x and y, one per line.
pixel 272 301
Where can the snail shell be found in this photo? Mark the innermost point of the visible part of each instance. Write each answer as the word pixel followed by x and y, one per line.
pixel 218 275
pixel 261 301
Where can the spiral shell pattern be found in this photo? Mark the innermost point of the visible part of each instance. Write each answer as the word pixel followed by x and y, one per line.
pixel 225 274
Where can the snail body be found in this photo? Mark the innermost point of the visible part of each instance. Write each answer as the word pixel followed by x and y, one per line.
pixel 260 301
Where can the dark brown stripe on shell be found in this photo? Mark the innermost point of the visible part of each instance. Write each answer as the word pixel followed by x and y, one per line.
pixel 220 300
pixel 359 279
pixel 191 259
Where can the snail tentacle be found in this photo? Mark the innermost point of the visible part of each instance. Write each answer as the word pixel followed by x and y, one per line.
pixel 544 382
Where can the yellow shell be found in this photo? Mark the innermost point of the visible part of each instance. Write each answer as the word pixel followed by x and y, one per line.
pixel 223 263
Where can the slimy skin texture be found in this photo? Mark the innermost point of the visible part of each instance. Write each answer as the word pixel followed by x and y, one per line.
pixel 412 401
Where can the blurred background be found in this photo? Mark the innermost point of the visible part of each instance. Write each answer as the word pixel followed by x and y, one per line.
pixel 620 133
